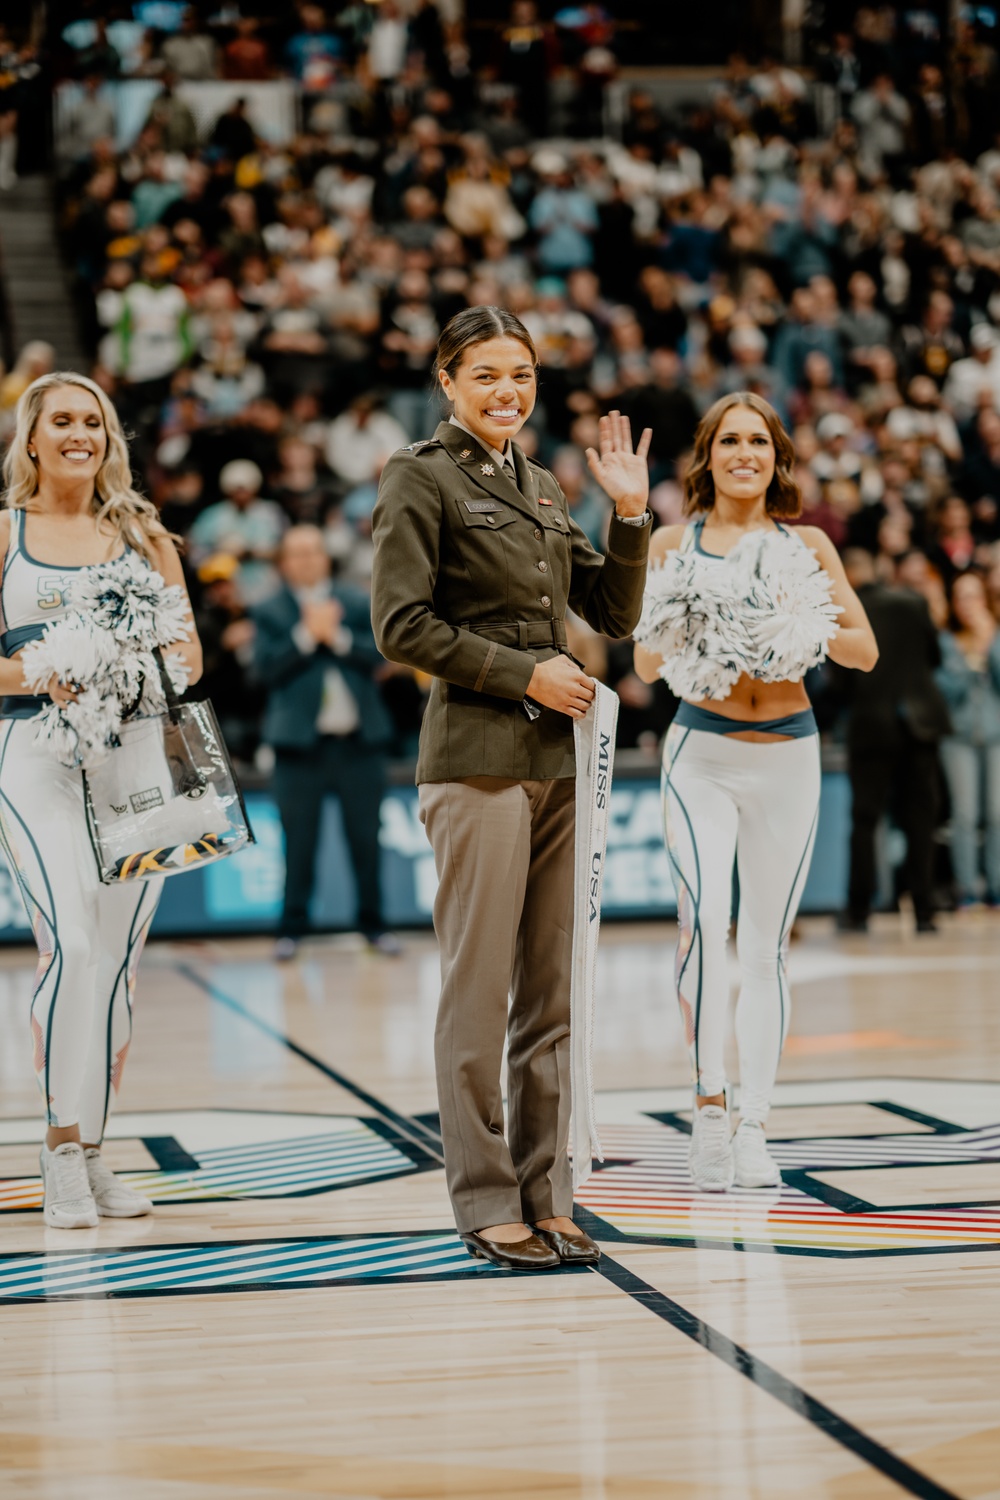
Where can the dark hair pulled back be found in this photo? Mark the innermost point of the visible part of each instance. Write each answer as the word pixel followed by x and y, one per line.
pixel 474 325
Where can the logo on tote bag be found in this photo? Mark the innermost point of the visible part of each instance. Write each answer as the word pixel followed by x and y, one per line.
pixel 143 801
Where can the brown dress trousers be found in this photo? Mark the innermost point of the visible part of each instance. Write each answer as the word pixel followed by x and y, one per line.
pixel 504 919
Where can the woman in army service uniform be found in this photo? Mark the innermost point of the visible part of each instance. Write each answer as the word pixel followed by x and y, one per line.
pixel 476 563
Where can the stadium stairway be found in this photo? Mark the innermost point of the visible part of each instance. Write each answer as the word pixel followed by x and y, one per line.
pixel 39 303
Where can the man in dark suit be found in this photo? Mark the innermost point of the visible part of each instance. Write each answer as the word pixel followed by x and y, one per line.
pixel 896 721
pixel 316 656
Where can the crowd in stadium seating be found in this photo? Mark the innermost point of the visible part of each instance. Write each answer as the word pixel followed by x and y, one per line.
pixel 264 312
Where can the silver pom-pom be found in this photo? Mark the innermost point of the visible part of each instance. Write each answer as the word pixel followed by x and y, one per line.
pixel 130 599
pixel 122 612
pixel 766 611
pixel 81 733
pixel 74 648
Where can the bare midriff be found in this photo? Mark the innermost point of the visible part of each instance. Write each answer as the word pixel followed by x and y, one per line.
pixel 750 700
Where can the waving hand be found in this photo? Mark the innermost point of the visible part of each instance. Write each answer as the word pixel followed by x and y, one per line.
pixel 622 474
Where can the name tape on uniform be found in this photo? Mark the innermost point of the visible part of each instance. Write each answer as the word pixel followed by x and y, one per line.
pixel 478 506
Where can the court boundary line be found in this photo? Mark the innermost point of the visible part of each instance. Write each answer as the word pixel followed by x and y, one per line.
pixel 419 1134
pixel 766 1378
pixel 741 1361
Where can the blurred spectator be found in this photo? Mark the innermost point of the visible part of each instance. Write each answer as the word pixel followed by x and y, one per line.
pixel 88 120
pixel 316 656
pixel 526 59
pixel 914 571
pixel 175 123
pixel 924 420
pixel 227 638
pixel 896 720
pixel 863 327
pixel 148 337
pixel 232 134
pixel 244 526
pixel 301 490
pixel 314 52
pixel 931 346
pixel 976 377
pixel 663 404
pixel 190 52
pixel 969 677
pixel 952 544
pixel 246 57
pixel 882 116
pixel 361 439
pixel 563 216
pixel 35 359
pixel 97 57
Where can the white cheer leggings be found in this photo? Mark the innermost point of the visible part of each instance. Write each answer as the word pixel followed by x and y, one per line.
pixel 757 803
pixel 90 936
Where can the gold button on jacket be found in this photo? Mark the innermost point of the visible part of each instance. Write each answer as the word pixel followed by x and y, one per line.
pixel 455 594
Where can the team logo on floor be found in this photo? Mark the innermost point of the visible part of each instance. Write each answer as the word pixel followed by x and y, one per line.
pixel 870 1167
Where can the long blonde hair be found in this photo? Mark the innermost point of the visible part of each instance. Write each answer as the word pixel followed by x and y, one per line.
pixel 136 519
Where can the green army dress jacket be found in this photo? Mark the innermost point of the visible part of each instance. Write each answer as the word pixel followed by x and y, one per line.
pixel 471 581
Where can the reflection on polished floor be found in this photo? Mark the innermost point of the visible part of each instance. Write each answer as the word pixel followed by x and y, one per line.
pixel 299 1318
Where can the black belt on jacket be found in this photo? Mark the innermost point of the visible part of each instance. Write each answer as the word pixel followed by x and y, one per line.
pixel 523 633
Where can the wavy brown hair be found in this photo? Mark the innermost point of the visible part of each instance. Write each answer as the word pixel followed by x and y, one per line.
pixel 784 498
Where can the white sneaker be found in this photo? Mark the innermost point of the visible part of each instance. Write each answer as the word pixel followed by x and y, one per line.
pixel 114 1198
pixel 68 1202
pixel 755 1167
pixel 711 1156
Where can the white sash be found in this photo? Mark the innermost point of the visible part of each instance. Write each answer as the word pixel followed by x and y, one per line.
pixel 595 753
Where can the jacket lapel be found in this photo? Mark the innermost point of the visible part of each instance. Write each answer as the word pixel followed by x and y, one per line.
pixel 482 470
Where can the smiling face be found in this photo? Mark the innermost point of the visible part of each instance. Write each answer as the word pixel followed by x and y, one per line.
pixel 493 389
pixel 742 455
pixel 69 441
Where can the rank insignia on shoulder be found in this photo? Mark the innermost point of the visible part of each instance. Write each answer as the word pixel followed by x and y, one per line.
pixel 487 469
pixel 465 453
pixel 423 443
pixel 544 502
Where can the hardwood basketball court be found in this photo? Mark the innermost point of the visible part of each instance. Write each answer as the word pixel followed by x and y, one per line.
pixel 299 1317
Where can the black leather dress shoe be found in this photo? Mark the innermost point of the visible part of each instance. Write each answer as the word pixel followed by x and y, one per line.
pixel 519 1255
pixel 577 1247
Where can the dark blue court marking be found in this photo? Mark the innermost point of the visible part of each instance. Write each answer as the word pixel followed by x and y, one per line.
pixel 762 1375
pixel 169 1154
pixel 936 1126
pixel 419 1135
pixel 768 1379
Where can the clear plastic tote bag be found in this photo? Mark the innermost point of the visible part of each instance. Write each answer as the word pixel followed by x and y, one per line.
pixel 167 799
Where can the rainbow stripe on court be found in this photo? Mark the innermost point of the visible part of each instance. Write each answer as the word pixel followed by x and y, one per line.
pixel 270 1169
pixel 645 1193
